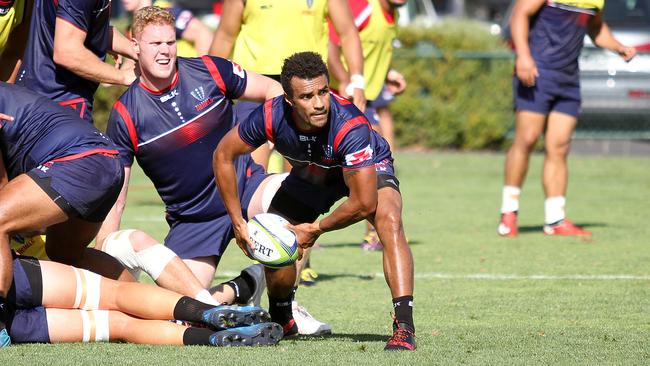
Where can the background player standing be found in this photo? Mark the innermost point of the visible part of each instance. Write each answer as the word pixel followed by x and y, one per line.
pixel 548 38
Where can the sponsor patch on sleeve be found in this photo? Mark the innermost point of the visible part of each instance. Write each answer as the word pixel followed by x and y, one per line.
pixel 358 157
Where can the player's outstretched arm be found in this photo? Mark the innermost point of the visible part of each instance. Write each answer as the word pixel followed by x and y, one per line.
pixel 260 88
pixel 228 30
pixel 341 17
pixel 230 147
pixel 71 53
pixel 120 45
pixel 361 204
pixel 602 36
pixel 519 25
pixel 112 221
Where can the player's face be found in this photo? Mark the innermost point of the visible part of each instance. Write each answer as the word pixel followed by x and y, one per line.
pixel 310 101
pixel 157 52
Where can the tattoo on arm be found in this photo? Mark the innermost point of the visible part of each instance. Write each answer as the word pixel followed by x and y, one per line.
pixel 347 174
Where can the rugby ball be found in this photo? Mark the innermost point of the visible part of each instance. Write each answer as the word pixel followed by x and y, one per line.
pixel 275 245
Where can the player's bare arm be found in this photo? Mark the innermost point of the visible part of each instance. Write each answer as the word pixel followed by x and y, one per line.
pixel 230 147
pixel 112 221
pixel 361 203
pixel 525 66
pixel 260 88
pixel 120 45
pixel 229 26
pixel 71 53
pixel 350 43
pixel 200 36
pixel 602 36
pixel 337 70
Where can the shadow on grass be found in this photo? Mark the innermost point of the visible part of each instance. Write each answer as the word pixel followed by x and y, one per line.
pixel 329 277
pixel 352 245
pixel 356 337
pixel 540 228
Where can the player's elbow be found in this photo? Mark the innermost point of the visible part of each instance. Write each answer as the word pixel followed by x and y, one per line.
pixel 63 57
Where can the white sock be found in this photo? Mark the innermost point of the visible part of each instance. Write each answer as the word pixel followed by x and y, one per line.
pixel 205 297
pixel 510 199
pixel 554 209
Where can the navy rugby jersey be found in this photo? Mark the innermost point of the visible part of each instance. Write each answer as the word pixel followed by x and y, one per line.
pixel 43 131
pixel 557 34
pixel 173 133
pixel 39 72
pixel 346 142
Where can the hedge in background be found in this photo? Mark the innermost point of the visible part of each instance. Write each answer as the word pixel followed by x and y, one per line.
pixel 459 92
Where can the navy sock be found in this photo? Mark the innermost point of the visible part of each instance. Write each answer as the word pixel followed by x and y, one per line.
pixel 280 309
pixel 190 309
pixel 197 336
pixel 404 310
pixel 243 285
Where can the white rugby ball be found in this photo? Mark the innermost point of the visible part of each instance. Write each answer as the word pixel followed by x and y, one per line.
pixel 275 245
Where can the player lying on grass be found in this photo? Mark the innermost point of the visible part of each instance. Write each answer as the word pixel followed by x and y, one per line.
pixel 139 252
pixel 334 153
pixel 51 303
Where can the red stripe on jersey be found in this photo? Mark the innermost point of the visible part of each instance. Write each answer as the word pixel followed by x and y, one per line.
pixel 214 72
pixel 130 126
pixel 268 119
pixel 72 103
pixel 359 120
pixel 87 153
pixel 163 90
pixel 389 15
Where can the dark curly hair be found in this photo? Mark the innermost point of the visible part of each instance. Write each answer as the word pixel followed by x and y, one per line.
pixel 303 65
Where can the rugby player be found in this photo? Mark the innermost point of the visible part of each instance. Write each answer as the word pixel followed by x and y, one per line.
pixel 171 120
pixel 58 174
pixel 53 303
pixel 64 58
pixel 548 37
pixel 334 153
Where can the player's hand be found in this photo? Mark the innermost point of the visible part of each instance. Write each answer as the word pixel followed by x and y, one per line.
pixel 395 82
pixel 526 70
pixel 5 117
pixel 128 72
pixel 242 238
pixel 627 53
pixel 306 234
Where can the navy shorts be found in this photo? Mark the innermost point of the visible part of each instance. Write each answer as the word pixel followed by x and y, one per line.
pixel 384 98
pixel 300 201
pixel 85 187
pixel 209 237
pixel 26 318
pixel 553 91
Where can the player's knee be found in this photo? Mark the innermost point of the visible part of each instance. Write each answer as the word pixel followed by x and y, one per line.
pixel 150 256
pixel 96 325
pixel 88 290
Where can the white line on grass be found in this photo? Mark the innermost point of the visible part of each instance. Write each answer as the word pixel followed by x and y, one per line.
pixel 491 276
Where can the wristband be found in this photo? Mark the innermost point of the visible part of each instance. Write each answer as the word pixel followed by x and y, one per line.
pixel 357 81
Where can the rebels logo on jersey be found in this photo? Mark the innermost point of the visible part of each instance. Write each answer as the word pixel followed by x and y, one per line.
pixel 358 157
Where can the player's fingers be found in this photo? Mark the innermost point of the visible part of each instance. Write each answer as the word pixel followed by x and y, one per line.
pixel 6 117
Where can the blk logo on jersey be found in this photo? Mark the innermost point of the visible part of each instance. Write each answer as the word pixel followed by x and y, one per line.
pixel 169 96
pixel 359 157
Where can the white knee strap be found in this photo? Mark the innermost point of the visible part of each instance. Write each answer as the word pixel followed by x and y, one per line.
pixel 95 325
pixel 118 245
pixel 88 289
pixel 270 189
pixel 152 260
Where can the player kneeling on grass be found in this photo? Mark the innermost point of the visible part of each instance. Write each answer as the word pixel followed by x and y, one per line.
pixel 52 303
pixel 334 153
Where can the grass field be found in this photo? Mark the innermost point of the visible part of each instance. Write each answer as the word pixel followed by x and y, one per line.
pixel 479 299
